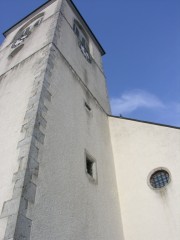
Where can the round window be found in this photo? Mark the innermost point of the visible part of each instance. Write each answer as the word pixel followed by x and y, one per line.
pixel 159 178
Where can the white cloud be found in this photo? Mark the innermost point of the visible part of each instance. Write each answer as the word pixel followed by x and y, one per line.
pixel 132 100
pixel 154 109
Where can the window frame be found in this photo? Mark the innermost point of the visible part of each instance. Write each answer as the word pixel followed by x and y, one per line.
pixel 153 172
pixel 93 178
pixel 83 40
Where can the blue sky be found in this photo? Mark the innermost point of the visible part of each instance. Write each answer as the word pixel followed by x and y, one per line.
pixel 142 42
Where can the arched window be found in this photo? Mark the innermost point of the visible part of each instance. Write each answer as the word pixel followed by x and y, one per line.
pixel 83 40
pixel 26 30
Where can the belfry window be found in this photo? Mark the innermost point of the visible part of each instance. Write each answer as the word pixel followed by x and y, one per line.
pixel 83 40
pixel 21 37
pixel 25 31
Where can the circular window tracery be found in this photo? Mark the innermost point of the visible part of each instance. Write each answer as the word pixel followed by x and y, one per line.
pixel 159 178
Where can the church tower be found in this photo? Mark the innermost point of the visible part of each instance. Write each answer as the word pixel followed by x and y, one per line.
pixel 57 171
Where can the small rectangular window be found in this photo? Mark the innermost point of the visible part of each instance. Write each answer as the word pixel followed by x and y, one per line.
pixel 91 169
pixel 87 106
pixel 89 166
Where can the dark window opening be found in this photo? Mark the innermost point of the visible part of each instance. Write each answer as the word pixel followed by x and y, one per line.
pixel 83 40
pixel 91 168
pixel 87 106
pixel 37 23
pixel 76 31
pixel 26 30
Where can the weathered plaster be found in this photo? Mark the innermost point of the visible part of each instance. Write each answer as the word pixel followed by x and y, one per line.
pixel 74 207
pixel 35 69
pixel 138 149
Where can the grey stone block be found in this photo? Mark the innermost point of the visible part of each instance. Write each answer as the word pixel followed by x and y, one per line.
pixel 10 207
pixel 41 121
pixel 33 153
pixel 30 192
pixel 23 228
pixel 24 151
pixel 11 226
pixel 39 135
pixel 25 141
pixel 45 93
pixel 33 166
pixel 19 175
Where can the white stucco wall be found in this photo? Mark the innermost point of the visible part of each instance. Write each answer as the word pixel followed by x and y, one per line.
pixel 15 89
pixel 16 84
pixel 139 148
pixel 90 73
pixel 68 205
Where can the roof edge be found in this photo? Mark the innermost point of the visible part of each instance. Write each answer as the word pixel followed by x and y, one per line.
pixel 147 122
